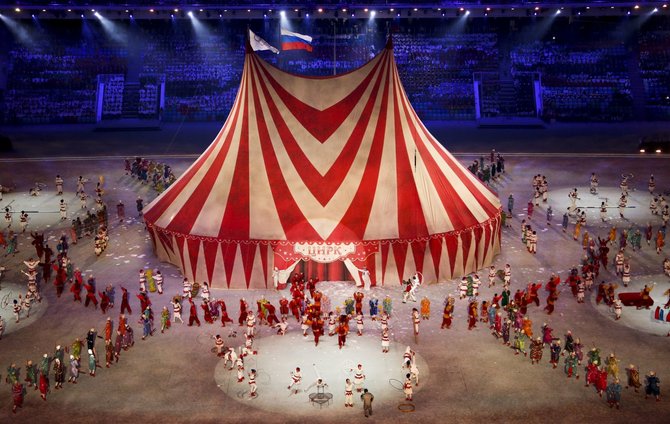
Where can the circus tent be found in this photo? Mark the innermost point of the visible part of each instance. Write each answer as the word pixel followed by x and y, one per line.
pixel 324 169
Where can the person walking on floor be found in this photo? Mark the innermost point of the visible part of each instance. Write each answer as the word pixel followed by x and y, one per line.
pixel 367 399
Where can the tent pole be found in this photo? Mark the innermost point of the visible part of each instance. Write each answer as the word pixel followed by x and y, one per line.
pixel 334 46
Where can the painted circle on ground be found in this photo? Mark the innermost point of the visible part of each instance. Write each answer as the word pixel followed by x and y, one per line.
pixel 278 356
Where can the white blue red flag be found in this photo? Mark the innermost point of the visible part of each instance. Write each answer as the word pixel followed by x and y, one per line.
pixel 294 41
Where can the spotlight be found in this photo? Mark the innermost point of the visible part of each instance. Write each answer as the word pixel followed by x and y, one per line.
pixel 558 12
pixel 190 14
pixel 151 11
pixel 391 10
pixel 655 10
pixel 637 6
pixel 82 16
pixel 282 14
pixel 467 12
pixel 365 10
pixel 320 10
pixel 17 10
pixel 373 14
pixel 176 10
pixel 307 15
pixel 92 10
pixel 201 10
pixel 97 15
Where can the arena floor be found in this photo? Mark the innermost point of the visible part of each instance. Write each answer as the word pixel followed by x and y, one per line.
pixel 467 376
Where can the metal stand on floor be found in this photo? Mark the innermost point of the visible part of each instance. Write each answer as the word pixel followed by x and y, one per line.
pixel 320 398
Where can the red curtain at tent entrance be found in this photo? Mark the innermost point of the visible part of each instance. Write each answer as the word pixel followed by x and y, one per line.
pixel 333 271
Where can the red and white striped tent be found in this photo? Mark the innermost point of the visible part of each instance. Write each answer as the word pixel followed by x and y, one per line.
pixel 324 169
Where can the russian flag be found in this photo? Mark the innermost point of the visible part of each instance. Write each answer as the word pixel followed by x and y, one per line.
pixel 294 41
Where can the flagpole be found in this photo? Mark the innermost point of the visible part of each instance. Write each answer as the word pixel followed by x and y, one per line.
pixel 334 46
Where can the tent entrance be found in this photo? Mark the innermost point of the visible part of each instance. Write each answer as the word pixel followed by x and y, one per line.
pixel 331 271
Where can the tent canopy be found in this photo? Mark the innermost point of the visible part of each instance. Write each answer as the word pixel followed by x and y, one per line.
pixel 324 168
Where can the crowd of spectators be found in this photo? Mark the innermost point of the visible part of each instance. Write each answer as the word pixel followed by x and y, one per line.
pixel 588 81
pixel 112 99
pixel 55 78
pixel 655 72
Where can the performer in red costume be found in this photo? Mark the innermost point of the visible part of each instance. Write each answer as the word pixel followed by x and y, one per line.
pixel 18 392
pixel 283 307
pixel 144 300
pixel 272 315
pixel 193 317
pixel 208 312
pixel 224 313
pixel 76 290
pixel 295 308
pixel 90 296
pixel 125 305
pixel 243 312
pixel 342 330
pixel 104 301
pixel 358 299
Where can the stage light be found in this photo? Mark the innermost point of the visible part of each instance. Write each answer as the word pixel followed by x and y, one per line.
pixel 537 8
pixel 365 10
pixel 320 10
pixel 488 9
pixel 190 14
pixel 415 9
pixel 282 14
pixel 44 10
pixel 642 150
pixel 82 16
pixel 461 9
pixel 201 10
pixel 392 10
pixel 373 14
pixel 151 11
pixel 637 6
pixel 69 10
pixel 176 10
pixel 17 10
pixel 558 12
pixel 344 10
pixel 97 15
pixel 658 150
pixel 295 10
pixel 467 13
pixel 92 10
pixel 655 10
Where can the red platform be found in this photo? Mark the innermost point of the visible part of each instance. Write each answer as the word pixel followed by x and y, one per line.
pixel 635 299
